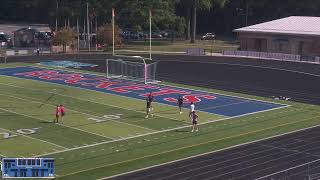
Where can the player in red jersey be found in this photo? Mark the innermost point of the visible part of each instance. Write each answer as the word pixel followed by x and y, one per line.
pixel 58 113
pixel 63 111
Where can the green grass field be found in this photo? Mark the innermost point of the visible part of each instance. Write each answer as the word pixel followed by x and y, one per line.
pixel 103 135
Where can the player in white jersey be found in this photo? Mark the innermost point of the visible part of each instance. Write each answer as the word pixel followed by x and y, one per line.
pixel 192 108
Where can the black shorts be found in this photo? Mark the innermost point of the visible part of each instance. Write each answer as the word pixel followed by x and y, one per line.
pixel 63 113
pixel 194 122
pixel 180 105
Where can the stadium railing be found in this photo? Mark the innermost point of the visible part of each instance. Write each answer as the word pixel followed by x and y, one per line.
pixel 264 55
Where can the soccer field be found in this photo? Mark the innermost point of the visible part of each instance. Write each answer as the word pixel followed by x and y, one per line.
pixel 105 131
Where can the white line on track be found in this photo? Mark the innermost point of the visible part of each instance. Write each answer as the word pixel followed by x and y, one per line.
pixel 247 65
pixel 30 136
pixel 210 152
pixel 79 112
pixel 215 159
pixel 239 169
pixel 56 124
pixel 287 169
pixel 222 167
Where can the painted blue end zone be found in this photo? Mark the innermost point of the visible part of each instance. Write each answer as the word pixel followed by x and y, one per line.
pixel 221 105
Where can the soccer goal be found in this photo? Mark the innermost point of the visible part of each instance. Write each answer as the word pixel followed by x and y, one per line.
pixel 133 68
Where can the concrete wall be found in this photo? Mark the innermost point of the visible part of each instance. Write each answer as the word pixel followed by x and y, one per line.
pixel 280 43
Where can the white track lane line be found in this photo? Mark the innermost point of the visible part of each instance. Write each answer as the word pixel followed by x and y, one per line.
pixel 207 153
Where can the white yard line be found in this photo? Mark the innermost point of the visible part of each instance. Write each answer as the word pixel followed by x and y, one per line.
pixel 157 132
pixel 82 98
pixel 211 152
pixel 57 124
pixel 32 137
pixel 80 113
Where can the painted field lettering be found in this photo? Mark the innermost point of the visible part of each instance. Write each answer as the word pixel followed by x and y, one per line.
pixel 106 118
pixel 6 135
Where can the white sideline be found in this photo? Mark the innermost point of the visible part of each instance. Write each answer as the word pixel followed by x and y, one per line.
pixel 211 152
pixel 81 98
pixel 80 113
pixel 157 132
pixel 67 70
pixel 57 124
pixel 30 136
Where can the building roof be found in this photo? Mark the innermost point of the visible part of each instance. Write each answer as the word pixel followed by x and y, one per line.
pixel 293 25
pixel 10 28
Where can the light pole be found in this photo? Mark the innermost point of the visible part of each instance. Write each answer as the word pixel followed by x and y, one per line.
pixel 57 15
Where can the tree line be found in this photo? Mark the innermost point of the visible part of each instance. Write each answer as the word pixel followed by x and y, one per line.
pixel 188 17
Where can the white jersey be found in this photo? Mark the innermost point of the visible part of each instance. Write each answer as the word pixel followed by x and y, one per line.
pixel 192 106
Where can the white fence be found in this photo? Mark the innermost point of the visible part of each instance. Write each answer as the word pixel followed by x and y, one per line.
pixel 264 55
pixel 195 52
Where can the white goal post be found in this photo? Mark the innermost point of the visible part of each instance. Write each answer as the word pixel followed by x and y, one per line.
pixel 133 68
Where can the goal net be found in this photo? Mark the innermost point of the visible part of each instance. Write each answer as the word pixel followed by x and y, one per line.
pixel 135 69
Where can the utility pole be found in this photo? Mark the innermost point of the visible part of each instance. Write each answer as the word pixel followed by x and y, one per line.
pixel 78 35
pixel 96 32
pixel 88 27
pixel 57 15
pixel 247 12
pixel 150 33
pixel 113 53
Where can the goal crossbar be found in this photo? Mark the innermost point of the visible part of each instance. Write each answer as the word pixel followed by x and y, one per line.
pixel 134 68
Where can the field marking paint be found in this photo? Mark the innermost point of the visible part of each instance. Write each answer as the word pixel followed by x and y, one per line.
pixel 189 146
pixel 226 105
pixel 226 95
pixel 157 132
pixel 56 124
pixel 211 152
pixel 87 73
pixel 30 136
pixel 3 155
pixel 234 96
pixel 287 169
pixel 80 113
pixel 81 98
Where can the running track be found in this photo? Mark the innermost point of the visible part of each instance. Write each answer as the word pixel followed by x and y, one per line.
pixel 246 162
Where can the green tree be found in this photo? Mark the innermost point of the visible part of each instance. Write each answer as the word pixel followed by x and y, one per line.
pixel 65 37
pixel 104 34
pixel 191 7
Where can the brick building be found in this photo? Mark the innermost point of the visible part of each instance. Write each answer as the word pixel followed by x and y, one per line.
pixel 291 35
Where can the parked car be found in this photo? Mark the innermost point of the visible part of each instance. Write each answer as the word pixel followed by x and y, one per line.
pixel 5 40
pixel 208 36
